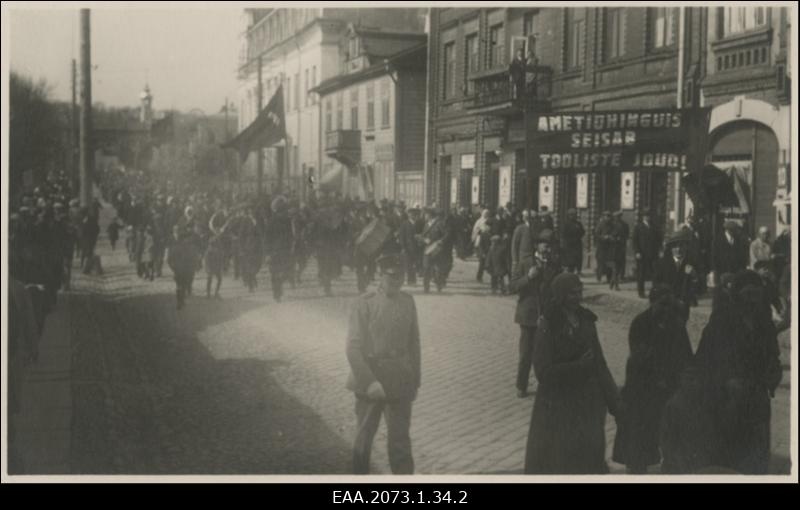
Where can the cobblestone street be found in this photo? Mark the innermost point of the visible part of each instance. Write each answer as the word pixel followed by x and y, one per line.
pixel 249 386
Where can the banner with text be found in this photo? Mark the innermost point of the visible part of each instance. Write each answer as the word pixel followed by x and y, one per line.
pixel 631 140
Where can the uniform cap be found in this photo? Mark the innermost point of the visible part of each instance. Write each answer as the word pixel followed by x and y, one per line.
pixel 390 264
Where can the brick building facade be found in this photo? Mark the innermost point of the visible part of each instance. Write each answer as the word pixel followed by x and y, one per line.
pixel 596 59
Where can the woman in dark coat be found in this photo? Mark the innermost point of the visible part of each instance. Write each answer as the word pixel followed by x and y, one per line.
pixel 567 430
pixel 740 361
pixel 659 350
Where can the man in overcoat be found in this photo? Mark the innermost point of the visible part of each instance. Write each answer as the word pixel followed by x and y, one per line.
pixel 646 243
pixel 530 280
pixel 675 270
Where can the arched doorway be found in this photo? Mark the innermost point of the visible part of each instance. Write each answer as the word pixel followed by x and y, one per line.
pixel 748 150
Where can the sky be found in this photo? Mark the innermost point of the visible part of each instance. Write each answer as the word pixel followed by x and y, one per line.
pixel 188 56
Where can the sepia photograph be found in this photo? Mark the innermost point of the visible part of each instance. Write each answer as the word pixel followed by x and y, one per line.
pixel 280 241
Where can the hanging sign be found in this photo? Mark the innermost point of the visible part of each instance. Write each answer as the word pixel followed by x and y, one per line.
pixel 571 142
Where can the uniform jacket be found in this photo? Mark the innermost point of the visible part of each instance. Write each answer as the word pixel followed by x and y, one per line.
pixel 382 327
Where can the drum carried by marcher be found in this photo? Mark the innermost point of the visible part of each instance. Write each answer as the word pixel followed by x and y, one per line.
pixel 434 249
pixel 373 237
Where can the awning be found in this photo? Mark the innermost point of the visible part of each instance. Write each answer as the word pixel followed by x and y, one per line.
pixel 266 130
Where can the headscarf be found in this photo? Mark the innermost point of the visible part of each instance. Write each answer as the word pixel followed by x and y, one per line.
pixel 563 284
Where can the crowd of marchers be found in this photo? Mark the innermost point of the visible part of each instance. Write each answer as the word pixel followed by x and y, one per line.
pixel 687 411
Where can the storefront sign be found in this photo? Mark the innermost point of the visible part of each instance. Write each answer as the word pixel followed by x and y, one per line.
pixel 476 190
pixel 571 142
pixel 627 181
pixel 582 191
pixel 546 194
pixel 504 187
pixel 467 161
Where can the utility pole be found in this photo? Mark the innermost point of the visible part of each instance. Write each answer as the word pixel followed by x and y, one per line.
pixel 260 154
pixel 86 149
pixel 74 174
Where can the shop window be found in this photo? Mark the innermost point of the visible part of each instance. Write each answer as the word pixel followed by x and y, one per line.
pixel 354 108
pixel 385 108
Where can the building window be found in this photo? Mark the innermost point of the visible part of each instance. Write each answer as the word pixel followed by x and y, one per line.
pixel 576 30
pixel 306 88
pixel 313 83
pixel 353 48
pixel 530 29
pixel 385 123
pixel 328 115
pixel 370 106
pixel 296 102
pixel 339 112
pixel 736 20
pixel 288 94
pixel 497 38
pixel 449 70
pixel 470 59
pixel 662 26
pixel 614 46
pixel 354 108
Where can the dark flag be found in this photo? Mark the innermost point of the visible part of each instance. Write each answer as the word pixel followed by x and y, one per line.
pixel 266 130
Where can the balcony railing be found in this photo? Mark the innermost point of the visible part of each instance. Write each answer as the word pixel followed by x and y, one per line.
pixel 497 89
pixel 344 145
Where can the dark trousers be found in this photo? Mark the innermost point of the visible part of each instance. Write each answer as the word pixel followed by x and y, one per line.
pixel 526 336
pixel 183 287
pixel 277 277
pixel 481 266
pixel 643 270
pixel 398 424
pixel 499 283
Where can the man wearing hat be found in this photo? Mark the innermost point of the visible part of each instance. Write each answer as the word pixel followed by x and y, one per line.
pixel 621 232
pixel 530 280
pixel 436 261
pixel 731 254
pixel 675 270
pixel 604 241
pixel 383 349
pixel 645 243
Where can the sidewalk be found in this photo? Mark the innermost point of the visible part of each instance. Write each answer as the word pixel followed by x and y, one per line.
pixel 44 430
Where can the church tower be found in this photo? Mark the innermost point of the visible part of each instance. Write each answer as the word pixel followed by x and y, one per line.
pixel 146 109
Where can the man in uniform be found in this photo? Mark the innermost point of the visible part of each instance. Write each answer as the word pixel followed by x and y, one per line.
pixel 383 349
pixel 435 262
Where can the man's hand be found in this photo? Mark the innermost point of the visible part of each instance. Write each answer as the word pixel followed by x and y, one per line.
pixel 375 391
pixel 689 269
pixel 638 256
pixel 533 272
